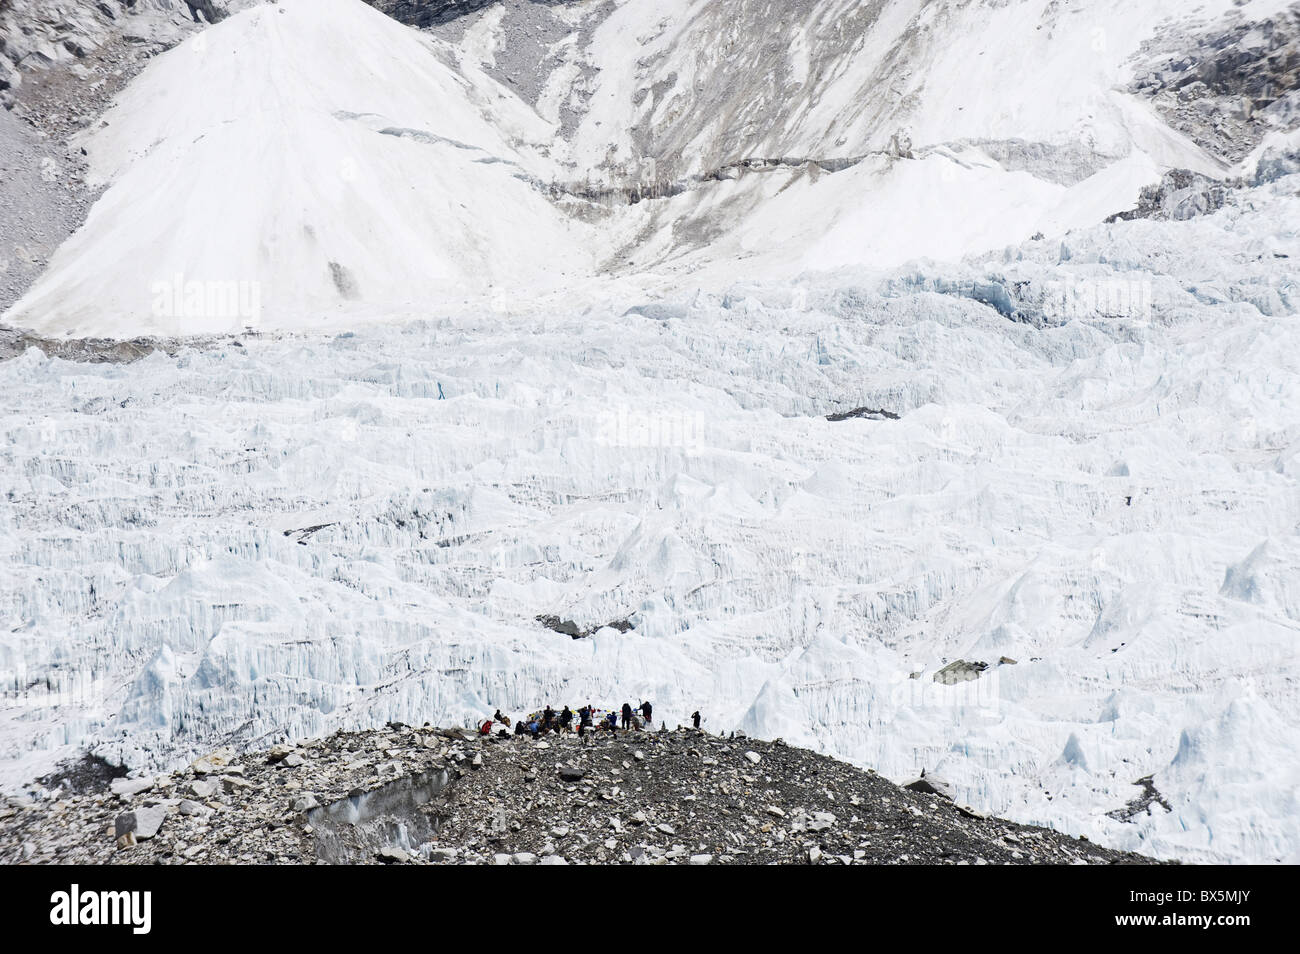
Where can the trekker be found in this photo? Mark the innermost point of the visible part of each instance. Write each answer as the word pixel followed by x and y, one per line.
pixel 627 715
pixel 548 715
pixel 612 721
pixel 647 710
pixel 695 718
pixel 566 718
pixel 504 720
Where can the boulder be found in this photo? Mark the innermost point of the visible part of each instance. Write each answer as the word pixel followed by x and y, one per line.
pixel 203 789
pixel 233 783
pixel 212 762
pixel 126 787
pixel 930 785
pixel 959 671
pixel 143 823
pixel 304 802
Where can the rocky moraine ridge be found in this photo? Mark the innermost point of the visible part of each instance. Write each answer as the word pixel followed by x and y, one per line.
pixel 404 795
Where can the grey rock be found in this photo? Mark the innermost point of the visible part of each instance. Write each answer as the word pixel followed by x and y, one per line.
pixel 930 785
pixel 126 787
pixel 203 789
pixel 143 823
pixel 959 671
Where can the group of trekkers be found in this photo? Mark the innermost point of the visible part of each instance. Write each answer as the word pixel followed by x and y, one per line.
pixel 587 719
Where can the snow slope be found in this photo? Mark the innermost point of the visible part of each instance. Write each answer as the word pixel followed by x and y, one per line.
pixel 316 151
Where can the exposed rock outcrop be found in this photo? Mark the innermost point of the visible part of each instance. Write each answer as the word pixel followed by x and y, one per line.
pixel 424 13
pixel 960 671
pixel 866 413
pixel 1226 85
pixel 1180 194
pixel 39 34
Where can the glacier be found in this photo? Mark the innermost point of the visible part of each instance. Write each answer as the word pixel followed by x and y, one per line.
pixel 283 534
pixel 486 368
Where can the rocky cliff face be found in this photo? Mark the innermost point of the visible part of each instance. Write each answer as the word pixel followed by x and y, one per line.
pixel 1226 86
pixel 39 34
pixel 404 795
pixel 424 13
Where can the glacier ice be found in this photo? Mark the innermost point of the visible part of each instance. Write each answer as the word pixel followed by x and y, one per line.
pixel 280 535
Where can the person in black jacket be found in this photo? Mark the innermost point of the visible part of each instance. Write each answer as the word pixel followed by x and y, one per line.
pixel 647 710
pixel 627 715
pixel 695 718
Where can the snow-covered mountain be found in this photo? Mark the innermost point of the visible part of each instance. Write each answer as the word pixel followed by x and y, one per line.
pixel 351 168
pixel 573 290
